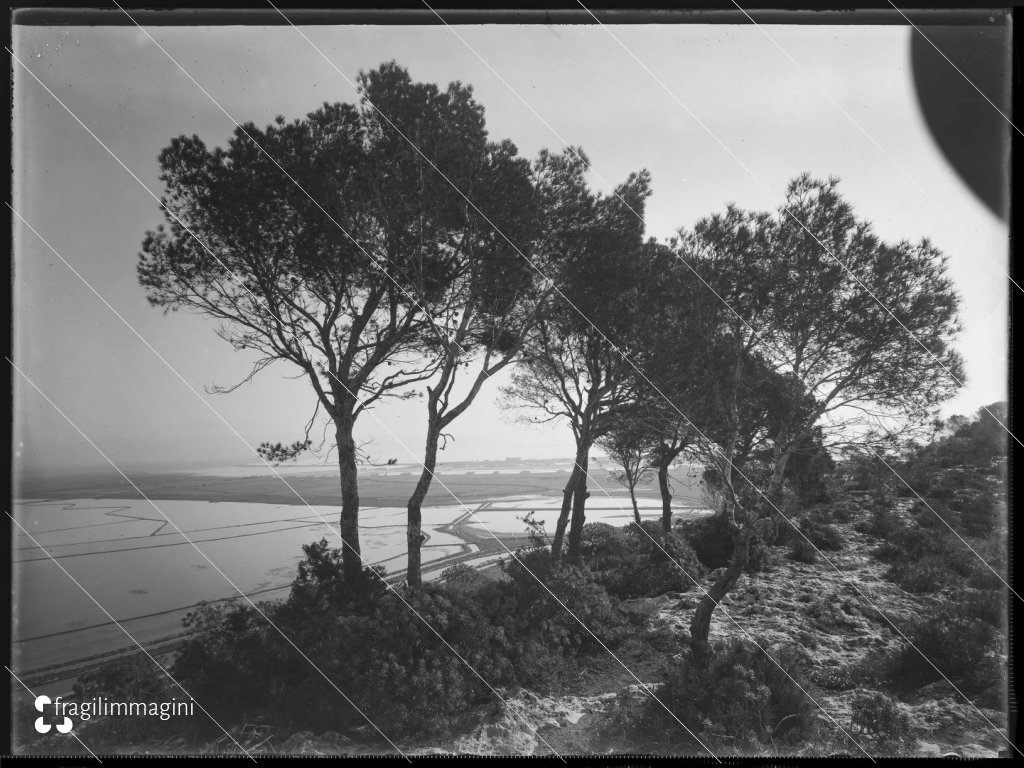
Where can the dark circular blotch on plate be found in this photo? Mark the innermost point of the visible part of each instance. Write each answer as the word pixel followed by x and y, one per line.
pixel 970 131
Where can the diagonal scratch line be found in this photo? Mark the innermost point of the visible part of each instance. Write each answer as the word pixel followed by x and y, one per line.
pixel 739 472
pixel 869 137
pixel 436 479
pixel 603 335
pixel 940 518
pixel 700 277
pixel 197 549
pixel 387 584
pixel 33 695
pixel 954 66
pixel 753 330
pixel 89 595
pixel 732 619
pixel 785 208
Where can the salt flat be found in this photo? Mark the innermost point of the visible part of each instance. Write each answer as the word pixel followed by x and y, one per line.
pixel 137 559
pixel 137 566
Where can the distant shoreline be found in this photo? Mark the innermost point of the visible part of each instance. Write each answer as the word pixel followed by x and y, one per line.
pixel 459 482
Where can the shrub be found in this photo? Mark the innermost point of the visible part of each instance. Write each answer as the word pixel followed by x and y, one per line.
pixel 979 514
pixel 880 523
pixel 787 532
pixel 759 556
pixel 133 678
pixel 802 552
pixel 711 538
pixel 956 642
pixel 823 536
pixel 130 678
pixel 876 714
pixel 926 560
pixel 887 552
pixel 735 691
pixel 320 583
pixel 362 643
pixel 988 605
pixel 398 666
pixel 597 537
pixel 919 576
pixel 541 593
pixel 842 512
pixel 644 562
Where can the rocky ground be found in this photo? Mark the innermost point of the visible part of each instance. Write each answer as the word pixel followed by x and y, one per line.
pixel 835 613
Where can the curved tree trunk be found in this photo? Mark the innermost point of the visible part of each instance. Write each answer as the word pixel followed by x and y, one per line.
pixel 700 625
pixel 351 560
pixel 414 532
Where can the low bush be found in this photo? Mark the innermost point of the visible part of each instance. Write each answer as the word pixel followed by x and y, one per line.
pixel 759 556
pixel 364 640
pixel 639 562
pixel 879 523
pixel 988 605
pixel 802 552
pixel 540 594
pixel 957 643
pixel 736 692
pixel 822 536
pixel 787 531
pixel 130 679
pixel 922 576
pixel 876 714
pixel 713 540
pixel 843 512
pixel 979 514
pixel 926 560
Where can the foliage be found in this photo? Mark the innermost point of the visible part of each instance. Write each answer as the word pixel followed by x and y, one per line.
pixel 821 535
pixel 713 538
pixel 876 714
pixel 925 560
pixel 802 551
pixel 807 469
pixel 331 243
pixel 957 643
pixel 737 692
pixel 630 445
pixel 639 561
pixel 132 678
pixel 364 639
pixel 545 597
pixel 571 369
pixel 321 584
pixel 880 523
pixel 276 453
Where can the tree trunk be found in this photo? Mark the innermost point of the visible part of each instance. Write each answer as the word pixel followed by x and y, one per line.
pixel 636 509
pixel 666 498
pixel 700 626
pixel 579 503
pixel 414 533
pixel 351 560
pixel 563 515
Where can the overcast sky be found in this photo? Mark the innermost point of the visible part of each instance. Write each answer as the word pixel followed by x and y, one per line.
pixel 585 86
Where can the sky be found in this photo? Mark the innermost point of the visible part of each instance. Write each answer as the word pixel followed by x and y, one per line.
pixel 740 121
